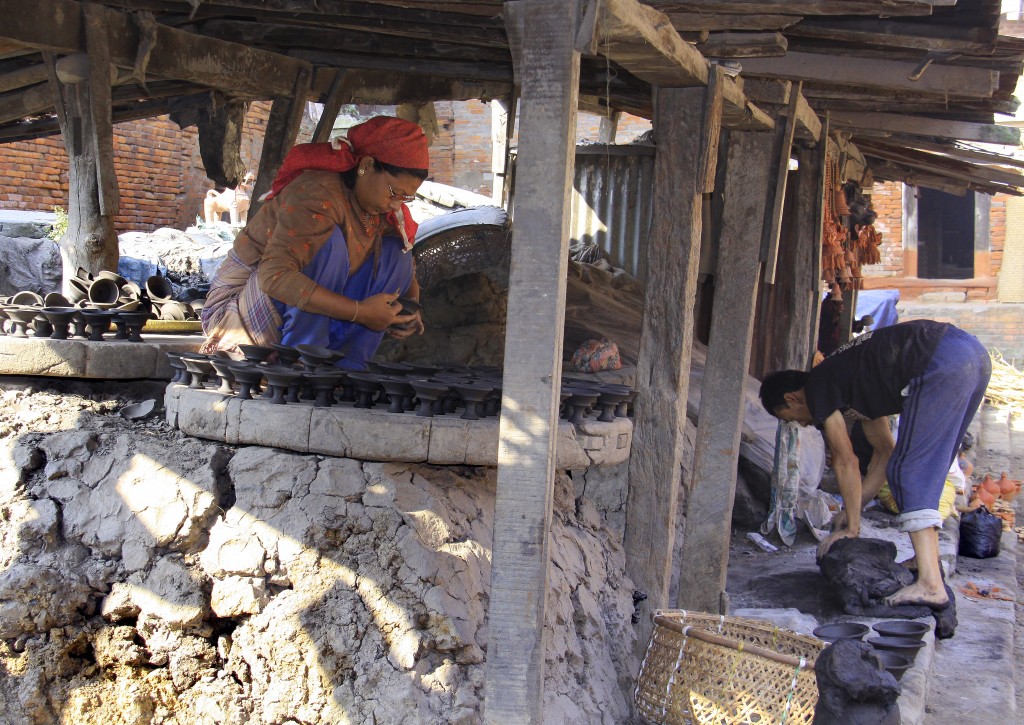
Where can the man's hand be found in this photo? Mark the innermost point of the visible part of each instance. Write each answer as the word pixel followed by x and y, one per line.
pixel 843 533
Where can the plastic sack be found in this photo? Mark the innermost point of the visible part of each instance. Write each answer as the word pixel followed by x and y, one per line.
pixel 980 533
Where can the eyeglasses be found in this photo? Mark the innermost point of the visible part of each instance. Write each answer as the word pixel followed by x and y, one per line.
pixel 404 198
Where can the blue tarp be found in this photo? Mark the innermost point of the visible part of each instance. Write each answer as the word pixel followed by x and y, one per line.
pixel 880 304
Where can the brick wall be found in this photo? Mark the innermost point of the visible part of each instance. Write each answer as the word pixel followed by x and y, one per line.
pixel 159 171
pixel 998 326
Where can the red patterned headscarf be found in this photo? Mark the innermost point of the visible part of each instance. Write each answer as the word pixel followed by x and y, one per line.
pixel 388 140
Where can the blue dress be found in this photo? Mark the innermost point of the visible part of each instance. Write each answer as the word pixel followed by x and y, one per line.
pixel 391 272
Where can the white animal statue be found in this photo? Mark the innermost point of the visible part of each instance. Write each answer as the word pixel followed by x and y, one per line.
pixel 233 201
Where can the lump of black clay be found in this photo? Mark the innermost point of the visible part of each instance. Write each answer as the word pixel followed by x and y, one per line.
pixel 853 687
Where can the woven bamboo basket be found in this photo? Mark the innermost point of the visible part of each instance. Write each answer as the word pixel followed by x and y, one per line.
pixel 704 668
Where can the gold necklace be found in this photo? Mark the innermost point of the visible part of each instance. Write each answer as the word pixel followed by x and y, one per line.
pixel 371 223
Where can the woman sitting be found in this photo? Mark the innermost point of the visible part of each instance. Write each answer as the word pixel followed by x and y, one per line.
pixel 327 256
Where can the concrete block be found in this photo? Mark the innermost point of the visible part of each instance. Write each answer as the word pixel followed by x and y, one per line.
pixel 29 356
pixel 326 432
pixel 606 443
pixel 201 413
pixel 376 435
pixel 482 442
pixel 279 426
pixel 171 393
pixel 448 436
pixel 119 360
pixel 570 454
pixel 233 420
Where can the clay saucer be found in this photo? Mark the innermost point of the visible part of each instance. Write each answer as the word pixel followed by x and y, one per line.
pixel 391 368
pixel 428 392
pixel 840 630
pixel 424 369
pixel 113 277
pixel 314 355
pixel 902 628
pixel 409 305
pixel 134 322
pixel 905 646
pixel 56 299
pixel 104 291
pixel 159 287
pixel 78 289
pixel 580 402
pixel 174 360
pixel 894 663
pixel 27 299
pixel 323 385
pixel 473 395
pixel 367 386
pixel 98 322
pixel 279 378
pixel 399 391
pixel 255 353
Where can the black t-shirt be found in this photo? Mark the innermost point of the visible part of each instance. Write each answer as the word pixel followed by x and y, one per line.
pixel 866 377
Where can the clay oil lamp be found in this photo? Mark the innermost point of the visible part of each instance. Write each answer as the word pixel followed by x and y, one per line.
pixel 222 366
pixel 113 277
pixel 581 400
pixel 159 288
pixel 104 292
pixel 473 395
pixel 176 311
pixel 79 325
pixel 906 646
pixel 174 360
pixel 27 298
pixel 908 628
pixel 625 406
pixel 840 630
pixel 313 356
pixel 131 291
pixel 286 354
pixel 60 320
pixel 78 290
pixel 248 376
pixel 424 370
pixel 299 386
pixel 278 380
pixel 121 327
pixel 56 299
pixel 199 366
pixel 609 402
pixel 134 322
pixel 98 322
pixel 492 403
pixel 428 392
pixel 391 368
pixel 400 393
pixel 323 384
pixel 21 318
pixel 367 385
pixel 255 353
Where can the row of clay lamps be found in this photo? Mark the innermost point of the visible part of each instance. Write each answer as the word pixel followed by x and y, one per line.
pixel 308 372
pixel 62 323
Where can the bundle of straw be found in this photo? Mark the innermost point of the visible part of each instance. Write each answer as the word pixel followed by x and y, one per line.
pixel 1006 388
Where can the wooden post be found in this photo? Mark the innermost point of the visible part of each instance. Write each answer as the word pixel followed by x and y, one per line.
pixel 502 123
pixel 91 240
pixel 777 192
pixel 547 66
pixel 609 127
pixel 705 552
pixel 332 104
pixel 663 366
pixel 282 128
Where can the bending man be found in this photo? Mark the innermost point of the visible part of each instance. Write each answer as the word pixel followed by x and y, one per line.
pixel 934 375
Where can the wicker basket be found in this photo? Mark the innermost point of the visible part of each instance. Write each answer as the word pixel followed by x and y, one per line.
pixel 703 668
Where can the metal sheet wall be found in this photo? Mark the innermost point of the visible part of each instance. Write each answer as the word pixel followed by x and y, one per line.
pixel 611 203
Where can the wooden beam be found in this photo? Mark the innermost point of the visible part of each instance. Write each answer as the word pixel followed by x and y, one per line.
pixel 808 7
pixel 32 101
pixel 875 73
pixel 279 137
pixel 703 561
pixel 986 158
pixel 541 34
pixel 743 45
pixel 930 163
pixel 777 193
pixel 27 76
pixel 666 341
pixel 777 93
pixel 424 70
pixel 888 171
pixel 920 126
pixel 712 22
pixel 57 25
pixel 332 104
pixel 929 36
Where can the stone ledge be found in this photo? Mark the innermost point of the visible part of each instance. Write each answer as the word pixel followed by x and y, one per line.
pixel 376 435
pixel 107 360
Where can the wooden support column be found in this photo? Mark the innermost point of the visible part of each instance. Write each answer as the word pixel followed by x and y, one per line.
pixel 705 552
pixel 502 126
pixel 91 240
pixel 332 105
pixel 685 144
pixel 547 67
pixel 282 128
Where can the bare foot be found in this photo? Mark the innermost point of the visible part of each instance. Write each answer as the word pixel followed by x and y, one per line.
pixel 917 594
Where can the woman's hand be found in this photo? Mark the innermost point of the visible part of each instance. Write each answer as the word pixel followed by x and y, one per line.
pixel 378 313
pixel 407 326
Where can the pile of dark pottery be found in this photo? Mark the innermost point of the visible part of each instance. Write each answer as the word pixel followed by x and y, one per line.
pixel 94 305
pixel 283 375
pixel 895 642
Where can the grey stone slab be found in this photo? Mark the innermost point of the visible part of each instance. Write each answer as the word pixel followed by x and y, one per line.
pixel 171 394
pixel 233 420
pixel 119 360
pixel 570 452
pixel 482 442
pixel 202 413
pixel 327 433
pixel 448 440
pixel 45 357
pixel 376 435
pixel 280 426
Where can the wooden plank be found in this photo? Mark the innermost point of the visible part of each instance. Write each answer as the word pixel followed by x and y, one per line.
pixel 743 45
pixel 703 562
pixel 920 126
pixel 663 365
pixel 710 129
pixel 888 171
pixel 808 7
pixel 27 76
pixel 817 284
pixel 777 92
pixel 32 101
pixel 987 158
pixel 777 194
pixel 57 25
pixel 940 165
pixel 928 36
pixel 332 104
pixel 874 73
pixel 548 69
pixel 712 22
pixel 100 106
pixel 502 126
pixel 423 70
